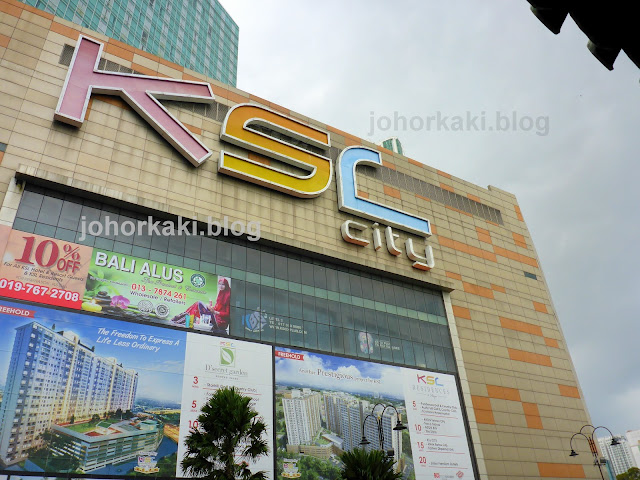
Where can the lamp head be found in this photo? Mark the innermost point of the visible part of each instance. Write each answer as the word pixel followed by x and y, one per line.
pixel 399 426
pixel 390 453
pixel 573 453
pixel 364 441
pixel 615 441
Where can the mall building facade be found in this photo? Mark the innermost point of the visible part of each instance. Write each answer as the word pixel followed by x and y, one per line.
pixel 331 244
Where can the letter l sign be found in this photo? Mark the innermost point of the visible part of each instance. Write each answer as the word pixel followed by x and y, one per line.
pixel 139 91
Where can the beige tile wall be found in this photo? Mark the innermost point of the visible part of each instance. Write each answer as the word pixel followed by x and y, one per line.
pixel 520 388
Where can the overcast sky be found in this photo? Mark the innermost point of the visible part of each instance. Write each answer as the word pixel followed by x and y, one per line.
pixel 339 61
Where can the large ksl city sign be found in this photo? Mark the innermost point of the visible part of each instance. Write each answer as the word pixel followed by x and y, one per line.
pixel 248 126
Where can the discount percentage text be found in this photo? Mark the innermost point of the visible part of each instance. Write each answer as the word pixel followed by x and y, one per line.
pixel 44 270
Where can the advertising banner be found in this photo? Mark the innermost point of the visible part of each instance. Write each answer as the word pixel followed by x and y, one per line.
pixel 134 288
pixel 210 365
pixel 326 404
pixel 106 397
pixel 44 270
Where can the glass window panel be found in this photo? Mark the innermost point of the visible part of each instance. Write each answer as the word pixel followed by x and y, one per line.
pixel 252 292
pixel 378 290
pixel 70 215
pixel 426 333
pixel 370 320
pixel 407 349
pixel 398 293
pixel 253 260
pixel 322 313
pixel 404 327
pixel 343 283
pixel 349 340
pixel 445 338
pixel 266 299
pixel 118 247
pixel 281 300
pixel 24 225
pixel 293 267
pixel 46 230
pixel 282 327
pixel 154 255
pixel 224 254
pixel 238 288
pixel 441 361
pixel 332 279
pixel 337 339
pixel 268 333
pixel 252 321
pixel 393 325
pixel 385 348
pixel 355 285
pixel 295 305
pixel 310 335
pixel 381 321
pixel 324 338
pixel 359 322
pixel 389 297
pixel 68 235
pixel 209 250
pixel 267 266
pixel 421 301
pixel 418 351
pixel 176 244
pixel 367 288
pixel 306 269
pixel 308 308
pixel 435 334
pixel 192 246
pixel 236 322
pixel 281 267
pixel 30 205
pixel 410 298
pixel 396 350
pixel 319 277
pixel 239 257
pixel 430 356
pixel 374 348
pixel 450 359
pixel 50 211
pixel 160 242
pixel 333 312
pixel 296 334
pixel 346 314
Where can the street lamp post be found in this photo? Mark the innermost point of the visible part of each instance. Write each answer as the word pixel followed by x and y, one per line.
pixel 378 419
pixel 592 445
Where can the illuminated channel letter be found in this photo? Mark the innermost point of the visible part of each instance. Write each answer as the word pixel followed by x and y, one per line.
pixel 276 136
pixel 350 202
pixel 139 91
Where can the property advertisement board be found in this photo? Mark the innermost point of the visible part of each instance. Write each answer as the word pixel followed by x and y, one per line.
pixel 326 404
pixel 134 288
pixel 89 394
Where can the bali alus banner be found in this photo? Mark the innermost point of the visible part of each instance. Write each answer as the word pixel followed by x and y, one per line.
pixel 44 270
pixel 127 287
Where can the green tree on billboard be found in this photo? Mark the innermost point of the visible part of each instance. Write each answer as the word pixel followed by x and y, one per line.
pixel 227 426
pixel 632 474
pixel 358 464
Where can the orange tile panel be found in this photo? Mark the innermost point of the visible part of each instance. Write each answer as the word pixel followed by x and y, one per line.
pixel 462 247
pixel 112 100
pixel 520 326
pixel 461 312
pixel 278 108
pixel 434 230
pixel 444 186
pixel 363 194
pixel 568 391
pixel 560 470
pixel 519 240
pixel 477 290
pixel 64 30
pixel 444 174
pixel 388 164
pixel 13 10
pixel 122 45
pixel 551 342
pixel 503 252
pixel 194 129
pixel 533 421
pixel 4 40
pixel 144 70
pixel 216 90
pixel 481 403
pixel 1 157
pixel 423 198
pixel 119 52
pixel 415 162
pixel 392 192
pixel 169 64
pixel 540 307
pixel 457 276
pixel 519 213
pixel 528 357
pixel 259 158
pixel 470 196
pixel 503 393
pixel 485 417
pixel 498 288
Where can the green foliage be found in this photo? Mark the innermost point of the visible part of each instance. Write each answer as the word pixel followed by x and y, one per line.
pixel 228 426
pixel 310 468
pixel 632 474
pixel 359 464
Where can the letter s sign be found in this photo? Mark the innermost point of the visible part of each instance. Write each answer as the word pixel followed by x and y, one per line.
pixel 277 137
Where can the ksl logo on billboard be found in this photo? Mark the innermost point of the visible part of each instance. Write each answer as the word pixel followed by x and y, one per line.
pixel 248 126
pixel 429 380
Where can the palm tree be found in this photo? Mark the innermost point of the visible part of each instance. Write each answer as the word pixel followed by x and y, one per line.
pixel 358 464
pixel 228 426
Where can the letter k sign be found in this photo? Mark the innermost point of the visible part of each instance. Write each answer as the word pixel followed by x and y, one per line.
pixel 139 91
